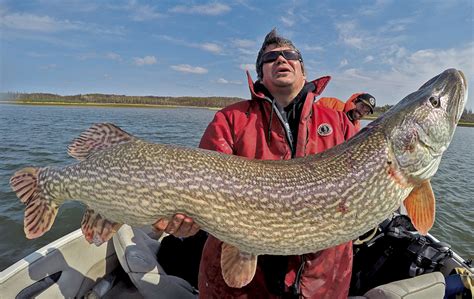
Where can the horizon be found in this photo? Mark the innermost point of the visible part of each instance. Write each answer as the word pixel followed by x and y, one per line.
pixel 173 48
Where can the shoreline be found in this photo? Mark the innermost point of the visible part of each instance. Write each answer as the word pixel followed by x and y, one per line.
pixel 105 105
pixel 115 105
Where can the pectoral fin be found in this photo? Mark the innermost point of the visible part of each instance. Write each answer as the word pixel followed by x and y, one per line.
pixel 97 229
pixel 238 268
pixel 420 205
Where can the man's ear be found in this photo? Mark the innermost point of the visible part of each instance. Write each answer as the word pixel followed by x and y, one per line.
pixel 303 71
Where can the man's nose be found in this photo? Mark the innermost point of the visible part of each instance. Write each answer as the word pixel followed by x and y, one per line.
pixel 280 59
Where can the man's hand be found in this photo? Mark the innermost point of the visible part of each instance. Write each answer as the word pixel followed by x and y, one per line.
pixel 179 226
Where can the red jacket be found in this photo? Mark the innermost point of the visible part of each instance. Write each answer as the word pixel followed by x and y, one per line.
pixel 336 104
pixel 242 129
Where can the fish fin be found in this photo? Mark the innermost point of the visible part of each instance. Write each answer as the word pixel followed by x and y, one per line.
pixel 238 268
pixel 40 211
pixel 420 205
pixel 97 229
pixel 96 138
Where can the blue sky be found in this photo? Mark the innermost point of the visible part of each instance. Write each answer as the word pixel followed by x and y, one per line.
pixel 202 48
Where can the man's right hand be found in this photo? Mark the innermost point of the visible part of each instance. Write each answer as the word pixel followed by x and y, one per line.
pixel 179 226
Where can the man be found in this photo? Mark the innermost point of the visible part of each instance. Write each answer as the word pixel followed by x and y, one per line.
pixel 356 107
pixel 280 121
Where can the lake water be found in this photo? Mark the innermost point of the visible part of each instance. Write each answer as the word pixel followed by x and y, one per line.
pixel 39 136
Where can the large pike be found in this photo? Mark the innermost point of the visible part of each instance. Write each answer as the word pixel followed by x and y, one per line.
pixel 257 207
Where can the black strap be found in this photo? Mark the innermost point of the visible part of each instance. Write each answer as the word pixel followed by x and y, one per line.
pixel 295 287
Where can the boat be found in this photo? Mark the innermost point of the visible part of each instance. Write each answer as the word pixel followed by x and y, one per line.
pixel 392 258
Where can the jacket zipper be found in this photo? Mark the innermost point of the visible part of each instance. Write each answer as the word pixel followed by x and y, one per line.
pixel 286 126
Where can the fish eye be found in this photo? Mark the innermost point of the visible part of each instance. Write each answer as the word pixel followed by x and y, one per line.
pixel 435 101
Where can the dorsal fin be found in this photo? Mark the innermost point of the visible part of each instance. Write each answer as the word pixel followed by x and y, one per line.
pixel 96 138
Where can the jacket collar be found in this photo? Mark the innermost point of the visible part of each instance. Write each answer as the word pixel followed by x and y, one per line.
pixel 316 87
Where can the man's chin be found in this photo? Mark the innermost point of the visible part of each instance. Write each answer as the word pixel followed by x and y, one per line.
pixel 283 81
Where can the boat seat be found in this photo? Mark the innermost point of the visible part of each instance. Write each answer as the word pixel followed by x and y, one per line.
pixel 137 253
pixel 429 286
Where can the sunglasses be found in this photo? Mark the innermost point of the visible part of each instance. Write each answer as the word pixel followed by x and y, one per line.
pixel 287 54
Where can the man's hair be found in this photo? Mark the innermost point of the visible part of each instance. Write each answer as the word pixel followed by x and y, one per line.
pixel 273 38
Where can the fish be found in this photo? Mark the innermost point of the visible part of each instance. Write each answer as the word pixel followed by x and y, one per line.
pixel 256 207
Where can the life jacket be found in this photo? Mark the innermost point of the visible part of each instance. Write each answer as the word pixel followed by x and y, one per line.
pixel 336 104
pixel 249 129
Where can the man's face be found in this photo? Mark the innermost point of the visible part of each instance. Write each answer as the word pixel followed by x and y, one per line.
pixel 360 110
pixel 282 73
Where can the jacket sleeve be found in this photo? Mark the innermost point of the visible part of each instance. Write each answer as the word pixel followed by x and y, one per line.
pixel 332 103
pixel 347 126
pixel 218 136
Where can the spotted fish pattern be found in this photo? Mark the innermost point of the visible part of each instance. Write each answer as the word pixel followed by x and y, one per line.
pixel 260 207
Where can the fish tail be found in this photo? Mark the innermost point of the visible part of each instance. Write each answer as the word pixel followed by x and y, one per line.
pixel 40 210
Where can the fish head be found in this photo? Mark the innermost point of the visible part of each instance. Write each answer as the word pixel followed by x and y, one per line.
pixel 421 126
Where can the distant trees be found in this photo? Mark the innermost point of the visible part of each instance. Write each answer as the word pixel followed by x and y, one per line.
pixel 467 115
pixel 123 99
pixel 9 96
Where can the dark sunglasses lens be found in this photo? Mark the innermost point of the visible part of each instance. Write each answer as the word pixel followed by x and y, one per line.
pixel 291 55
pixel 273 55
pixel 270 56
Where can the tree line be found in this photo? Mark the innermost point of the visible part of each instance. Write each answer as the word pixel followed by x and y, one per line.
pixel 123 99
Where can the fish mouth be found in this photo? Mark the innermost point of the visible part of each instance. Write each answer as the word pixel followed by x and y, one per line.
pixel 459 94
pixel 464 99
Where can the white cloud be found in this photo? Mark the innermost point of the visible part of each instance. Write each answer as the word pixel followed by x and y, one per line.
pixel 72 5
pixel 144 13
pixel 30 22
pixel 243 43
pixel 210 47
pixel 350 35
pixel 368 58
pixel 47 24
pixel 288 21
pixel 224 81
pixel 343 63
pixel 374 8
pixel 186 68
pixel 246 47
pixel 397 25
pixel 113 56
pixel 405 74
pixel 147 60
pixel 206 46
pixel 136 11
pixel 310 48
pixel 213 9
pixel 356 74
